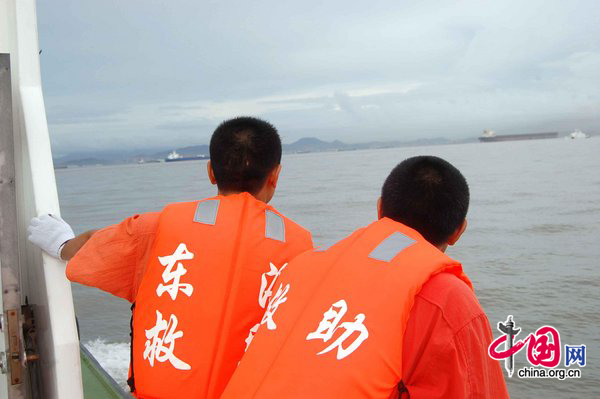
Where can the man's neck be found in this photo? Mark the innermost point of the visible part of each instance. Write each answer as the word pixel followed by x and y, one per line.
pixel 442 247
pixel 259 196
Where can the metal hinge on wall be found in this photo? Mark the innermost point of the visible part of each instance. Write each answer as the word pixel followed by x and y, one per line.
pixel 22 346
pixel 3 368
pixel 14 347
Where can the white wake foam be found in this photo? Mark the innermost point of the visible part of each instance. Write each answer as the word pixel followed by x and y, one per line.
pixel 113 357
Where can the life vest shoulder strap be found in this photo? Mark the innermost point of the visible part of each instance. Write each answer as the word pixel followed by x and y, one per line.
pixel 206 211
pixel 274 226
pixel 391 246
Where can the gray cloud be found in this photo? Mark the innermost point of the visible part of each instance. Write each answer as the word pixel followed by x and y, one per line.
pixel 197 125
pixel 122 73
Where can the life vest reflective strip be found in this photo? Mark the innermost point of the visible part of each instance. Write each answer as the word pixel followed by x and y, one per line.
pixel 199 297
pixel 339 327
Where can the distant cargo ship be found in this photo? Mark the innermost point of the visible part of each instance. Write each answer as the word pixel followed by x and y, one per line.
pixel 578 134
pixel 491 136
pixel 175 157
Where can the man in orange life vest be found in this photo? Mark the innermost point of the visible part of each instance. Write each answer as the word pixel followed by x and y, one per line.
pixel 198 273
pixel 383 313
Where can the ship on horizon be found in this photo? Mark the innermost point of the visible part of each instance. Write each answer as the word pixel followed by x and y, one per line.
pixel 175 157
pixel 491 136
pixel 577 134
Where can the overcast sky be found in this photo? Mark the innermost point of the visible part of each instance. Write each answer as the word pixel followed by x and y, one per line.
pixel 151 74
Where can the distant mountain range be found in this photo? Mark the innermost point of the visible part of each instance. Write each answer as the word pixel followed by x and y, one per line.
pixel 304 145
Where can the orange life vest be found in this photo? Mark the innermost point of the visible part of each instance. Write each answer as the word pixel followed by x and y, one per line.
pixel 338 318
pixel 208 278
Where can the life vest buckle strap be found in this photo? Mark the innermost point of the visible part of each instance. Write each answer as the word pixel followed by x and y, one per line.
pixel 402 389
pixel 391 246
pixel 131 379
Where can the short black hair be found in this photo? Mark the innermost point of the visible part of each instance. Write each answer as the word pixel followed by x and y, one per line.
pixel 427 194
pixel 243 151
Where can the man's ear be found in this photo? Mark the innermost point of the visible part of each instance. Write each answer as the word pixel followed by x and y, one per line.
pixel 274 176
pixel 459 232
pixel 211 173
pixel 379 210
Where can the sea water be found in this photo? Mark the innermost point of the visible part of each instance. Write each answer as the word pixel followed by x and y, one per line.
pixel 532 246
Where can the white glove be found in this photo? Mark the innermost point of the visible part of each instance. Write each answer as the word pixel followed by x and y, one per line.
pixel 49 232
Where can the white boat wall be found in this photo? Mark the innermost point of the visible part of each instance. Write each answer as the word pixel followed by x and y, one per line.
pixel 49 366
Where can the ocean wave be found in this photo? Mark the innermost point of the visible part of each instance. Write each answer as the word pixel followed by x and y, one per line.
pixel 113 357
pixel 582 211
pixel 552 228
